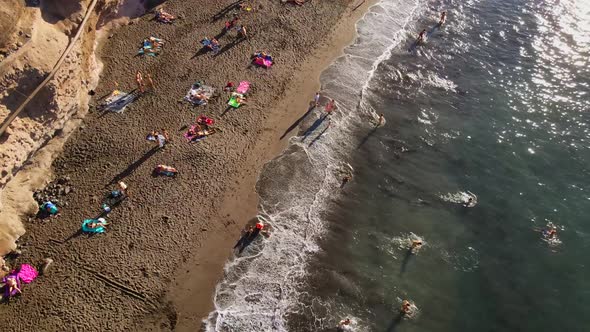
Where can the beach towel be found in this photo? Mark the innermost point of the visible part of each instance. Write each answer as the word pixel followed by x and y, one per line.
pixel 243 87
pixel 203 120
pixel 27 273
pixel 263 62
pixel 196 89
pixel 118 102
pixel 85 228
pixel 233 100
pixel 148 47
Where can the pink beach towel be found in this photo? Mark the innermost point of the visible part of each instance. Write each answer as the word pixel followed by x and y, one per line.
pixel 263 62
pixel 243 87
pixel 27 273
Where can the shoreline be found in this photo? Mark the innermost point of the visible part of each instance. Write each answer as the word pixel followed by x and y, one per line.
pixel 305 83
pixel 204 262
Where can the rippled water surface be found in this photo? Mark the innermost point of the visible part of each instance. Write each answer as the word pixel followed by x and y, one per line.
pixel 494 104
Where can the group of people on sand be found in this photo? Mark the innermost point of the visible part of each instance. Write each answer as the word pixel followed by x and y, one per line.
pixel 141 85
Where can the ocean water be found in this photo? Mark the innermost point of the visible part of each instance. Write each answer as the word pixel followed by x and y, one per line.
pixel 494 103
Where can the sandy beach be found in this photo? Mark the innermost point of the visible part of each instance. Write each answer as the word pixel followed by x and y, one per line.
pixel 156 267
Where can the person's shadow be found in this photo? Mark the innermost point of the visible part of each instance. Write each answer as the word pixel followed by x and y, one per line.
pixel 406 260
pixel 395 323
pixel 296 123
pixel 126 172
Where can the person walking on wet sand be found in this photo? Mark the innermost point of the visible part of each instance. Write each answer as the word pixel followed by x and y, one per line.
pixel 316 99
pixel 139 81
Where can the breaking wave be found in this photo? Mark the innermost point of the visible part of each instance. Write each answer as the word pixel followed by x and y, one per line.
pixel 262 286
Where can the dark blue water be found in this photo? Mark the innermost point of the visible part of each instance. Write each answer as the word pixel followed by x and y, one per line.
pixel 494 103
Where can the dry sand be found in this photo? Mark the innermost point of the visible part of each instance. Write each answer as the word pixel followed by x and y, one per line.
pixel 156 267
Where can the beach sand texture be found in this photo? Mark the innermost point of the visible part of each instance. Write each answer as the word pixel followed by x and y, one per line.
pixel 170 240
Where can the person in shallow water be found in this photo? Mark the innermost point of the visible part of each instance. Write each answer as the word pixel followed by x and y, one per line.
pixel 421 37
pixel 443 18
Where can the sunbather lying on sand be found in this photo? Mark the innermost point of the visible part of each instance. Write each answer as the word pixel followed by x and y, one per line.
pixel 97 224
pixel 297 2
pixel 164 17
pixel 198 96
pixel 12 285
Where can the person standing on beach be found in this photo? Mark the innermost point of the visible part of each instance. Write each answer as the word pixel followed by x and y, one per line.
pixel 316 99
pixel 162 138
pixel 242 33
pixel 139 81
pixel 116 89
pixel 151 85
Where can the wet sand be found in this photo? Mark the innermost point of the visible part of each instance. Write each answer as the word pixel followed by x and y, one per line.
pixel 156 267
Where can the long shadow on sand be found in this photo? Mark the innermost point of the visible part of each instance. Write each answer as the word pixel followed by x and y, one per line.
pixel 229 46
pixel 298 121
pixel 125 173
pixel 221 14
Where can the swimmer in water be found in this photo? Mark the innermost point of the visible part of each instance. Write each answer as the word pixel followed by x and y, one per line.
pixel 406 308
pixel 471 200
pixel 421 37
pixel 550 233
pixel 344 325
pixel 416 245
pixel 443 18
